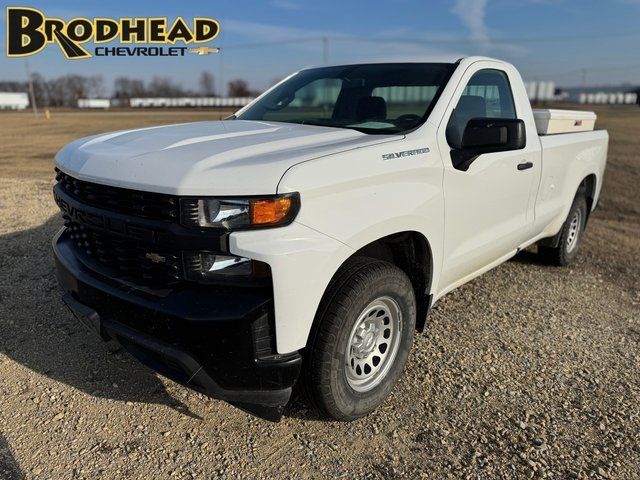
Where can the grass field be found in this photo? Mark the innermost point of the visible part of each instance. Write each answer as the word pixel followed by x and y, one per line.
pixel 29 143
pixel 529 371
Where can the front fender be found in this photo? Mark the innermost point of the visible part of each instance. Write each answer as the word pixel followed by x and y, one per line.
pixel 348 200
pixel 302 262
pixel 359 197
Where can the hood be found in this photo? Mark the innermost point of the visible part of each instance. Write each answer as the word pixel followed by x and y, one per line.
pixel 235 157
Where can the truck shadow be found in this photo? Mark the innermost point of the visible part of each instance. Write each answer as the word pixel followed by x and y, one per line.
pixel 37 331
pixel 527 257
pixel 9 468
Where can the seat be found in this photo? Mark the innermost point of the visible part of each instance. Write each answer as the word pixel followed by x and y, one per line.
pixel 371 108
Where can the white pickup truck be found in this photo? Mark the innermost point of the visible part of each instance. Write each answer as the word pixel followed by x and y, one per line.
pixel 305 238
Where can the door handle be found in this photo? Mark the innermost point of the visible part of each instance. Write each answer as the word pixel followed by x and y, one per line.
pixel 525 166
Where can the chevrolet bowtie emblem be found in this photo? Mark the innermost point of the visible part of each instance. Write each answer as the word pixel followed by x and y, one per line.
pixel 155 258
pixel 204 50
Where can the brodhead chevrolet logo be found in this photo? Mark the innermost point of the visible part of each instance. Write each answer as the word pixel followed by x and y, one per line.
pixel 29 31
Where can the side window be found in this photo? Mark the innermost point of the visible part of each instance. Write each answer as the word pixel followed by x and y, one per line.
pixel 487 95
pixel 315 100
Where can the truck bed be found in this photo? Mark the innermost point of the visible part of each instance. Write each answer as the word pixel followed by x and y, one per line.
pixel 567 158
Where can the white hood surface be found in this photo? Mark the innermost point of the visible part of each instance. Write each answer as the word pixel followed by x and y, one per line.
pixel 235 157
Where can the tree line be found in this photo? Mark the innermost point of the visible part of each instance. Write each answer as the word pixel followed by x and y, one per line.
pixel 65 91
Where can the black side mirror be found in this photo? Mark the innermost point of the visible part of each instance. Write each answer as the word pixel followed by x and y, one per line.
pixel 486 135
pixel 494 134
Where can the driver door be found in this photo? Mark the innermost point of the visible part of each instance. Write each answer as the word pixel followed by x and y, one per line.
pixel 486 205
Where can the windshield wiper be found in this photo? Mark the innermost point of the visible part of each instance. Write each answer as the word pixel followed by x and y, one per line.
pixel 319 124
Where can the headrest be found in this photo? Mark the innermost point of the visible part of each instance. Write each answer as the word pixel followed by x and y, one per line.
pixel 472 106
pixel 371 108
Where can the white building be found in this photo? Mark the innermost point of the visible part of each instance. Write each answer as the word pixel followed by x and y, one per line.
pixel 611 98
pixel 189 102
pixel 94 103
pixel 13 101
pixel 540 91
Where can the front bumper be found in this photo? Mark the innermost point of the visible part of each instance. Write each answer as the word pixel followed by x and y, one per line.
pixel 219 341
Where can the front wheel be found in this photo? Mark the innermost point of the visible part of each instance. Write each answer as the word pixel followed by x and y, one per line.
pixel 361 340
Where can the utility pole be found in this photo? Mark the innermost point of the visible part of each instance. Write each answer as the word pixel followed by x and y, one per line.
pixel 31 93
pixel 222 85
pixel 325 50
pixel 583 73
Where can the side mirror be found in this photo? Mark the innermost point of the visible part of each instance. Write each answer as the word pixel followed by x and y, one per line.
pixel 494 134
pixel 486 135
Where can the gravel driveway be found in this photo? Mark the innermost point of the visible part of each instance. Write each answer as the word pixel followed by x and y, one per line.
pixel 526 372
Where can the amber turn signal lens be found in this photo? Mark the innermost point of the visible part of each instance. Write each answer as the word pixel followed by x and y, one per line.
pixel 269 211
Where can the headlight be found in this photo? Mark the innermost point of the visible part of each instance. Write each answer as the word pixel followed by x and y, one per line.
pixel 236 214
pixel 209 267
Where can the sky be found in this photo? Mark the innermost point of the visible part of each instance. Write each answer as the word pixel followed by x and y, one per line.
pixel 570 42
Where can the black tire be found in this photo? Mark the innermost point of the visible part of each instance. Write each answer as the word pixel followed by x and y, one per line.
pixel 358 288
pixel 566 251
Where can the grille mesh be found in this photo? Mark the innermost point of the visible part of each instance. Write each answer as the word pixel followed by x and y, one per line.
pixel 129 259
pixel 189 211
pixel 121 200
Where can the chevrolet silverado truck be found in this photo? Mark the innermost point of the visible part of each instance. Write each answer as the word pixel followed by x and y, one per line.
pixel 304 239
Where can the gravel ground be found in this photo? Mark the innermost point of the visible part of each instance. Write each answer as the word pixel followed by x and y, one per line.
pixel 526 372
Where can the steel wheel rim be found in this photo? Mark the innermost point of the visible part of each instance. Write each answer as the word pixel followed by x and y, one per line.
pixel 574 230
pixel 373 344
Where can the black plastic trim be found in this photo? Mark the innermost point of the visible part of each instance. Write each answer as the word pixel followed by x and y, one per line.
pixel 219 341
pixel 424 309
pixel 153 232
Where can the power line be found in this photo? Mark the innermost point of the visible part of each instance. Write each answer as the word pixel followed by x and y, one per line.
pixel 325 50
pixel 441 41
pixel 585 70
pixel 489 41
pixel 275 42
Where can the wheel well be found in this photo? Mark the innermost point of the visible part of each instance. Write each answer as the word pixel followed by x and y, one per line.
pixel 410 251
pixel 588 186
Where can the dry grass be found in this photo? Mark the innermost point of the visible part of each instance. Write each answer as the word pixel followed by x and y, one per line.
pixel 29 144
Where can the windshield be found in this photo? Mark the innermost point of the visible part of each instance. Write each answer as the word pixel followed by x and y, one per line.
pixel 376 98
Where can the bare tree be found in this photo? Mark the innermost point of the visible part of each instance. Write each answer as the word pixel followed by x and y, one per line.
pixel 124 87
pixel 207 84
pixel 95 86
pixel 73 88
pixel 239 88
pixel 164 87
pixel 40 89
pixel 66 90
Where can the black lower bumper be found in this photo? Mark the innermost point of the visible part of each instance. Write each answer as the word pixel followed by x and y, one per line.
pixel 217 341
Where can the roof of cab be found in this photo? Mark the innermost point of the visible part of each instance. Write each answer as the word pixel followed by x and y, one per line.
pixel 466 60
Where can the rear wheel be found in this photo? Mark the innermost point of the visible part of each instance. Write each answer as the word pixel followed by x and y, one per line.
pixel 569 236
pixel 361 341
